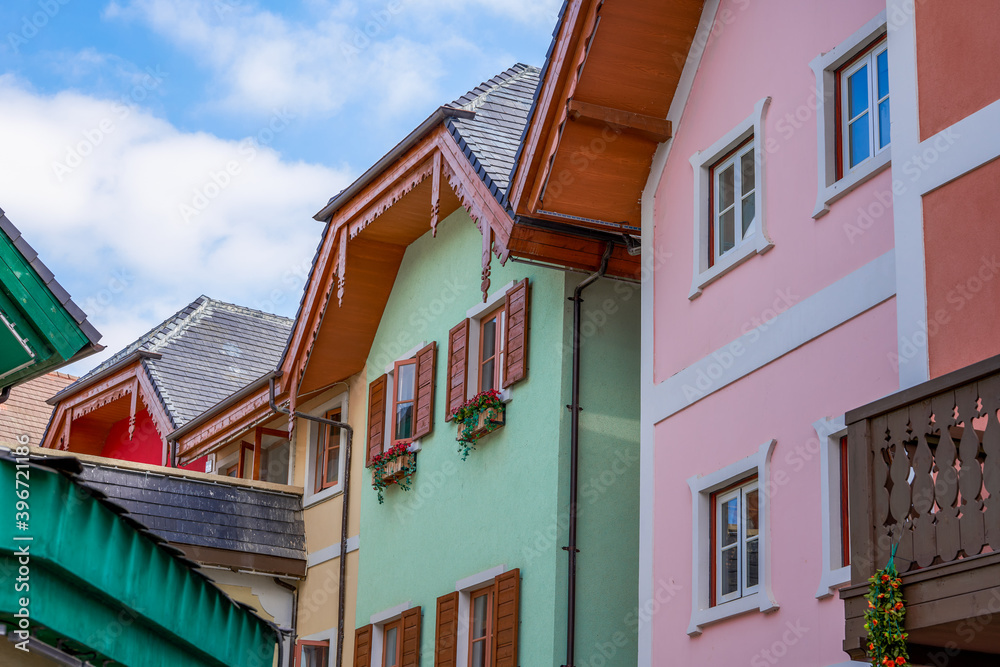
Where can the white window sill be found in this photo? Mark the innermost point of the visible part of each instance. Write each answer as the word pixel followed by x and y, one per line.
pixel 755 245
pixel 832 580
pixel 322 496
pixel 864 172
pixel 747 603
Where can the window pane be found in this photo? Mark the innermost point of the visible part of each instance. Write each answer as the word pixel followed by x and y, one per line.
pixel 274 464
pixel 404 421
pixel 479 615
pixel 857 92
pixel 730 571
pixel 859 140
pixel 748 212
pixel 752 563
pixel 315 656
pixel 332 473
pixel 489 339
pixel 247 462
pixel 882 65
pixel 726 187
pixel 486 378
pixel 746 172
pixel 478 655
pixel 883 124
pixel 406 382
pixel 752 514
pixel 727 232
pixel 730 518
pixel 390 647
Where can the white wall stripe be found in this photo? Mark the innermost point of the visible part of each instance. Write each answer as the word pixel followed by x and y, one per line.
pixel 332 551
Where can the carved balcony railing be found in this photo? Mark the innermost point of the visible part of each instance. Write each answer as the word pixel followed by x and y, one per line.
pixel 924 473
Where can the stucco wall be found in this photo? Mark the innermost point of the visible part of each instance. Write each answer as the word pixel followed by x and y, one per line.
pixel 505 504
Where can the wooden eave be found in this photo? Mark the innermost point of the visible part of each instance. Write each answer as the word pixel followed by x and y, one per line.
pixel 600 113
pixel 362 249
pixel 225 426
pixel 96 399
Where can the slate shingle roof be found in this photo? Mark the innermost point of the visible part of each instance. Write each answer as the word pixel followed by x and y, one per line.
pixel 26 412
pixel 492 138
pixel 210 350
pixel 208 514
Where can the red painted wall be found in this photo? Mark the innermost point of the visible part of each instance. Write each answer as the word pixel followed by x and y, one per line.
pixel 958 72
pixel 145 445
pixel 962 251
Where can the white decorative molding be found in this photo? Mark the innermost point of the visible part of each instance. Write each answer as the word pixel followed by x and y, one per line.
pixel 810 318
pixel 701 162
pixel 476 580
pixel 465 587
pixel 310 497
pixel 824 66
pixel 702 613
pixel 390 614
pixel 834 574
pixel 333 551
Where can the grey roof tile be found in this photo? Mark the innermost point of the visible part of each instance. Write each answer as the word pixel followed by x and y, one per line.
pixel 208 351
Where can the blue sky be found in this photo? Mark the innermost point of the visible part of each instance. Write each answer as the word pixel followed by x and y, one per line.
pixel 156 150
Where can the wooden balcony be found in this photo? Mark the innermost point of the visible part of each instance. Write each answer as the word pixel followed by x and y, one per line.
pixel 924 471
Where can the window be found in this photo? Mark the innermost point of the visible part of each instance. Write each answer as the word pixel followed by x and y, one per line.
pixel 864 106
pixel 233 471
pixel 401 402
pixel 327 473
pixel 730 559
pixel 490 348
pixel 403 399
pixel 392 646
pixel 274 455
pixel 733 187
pixel 835 516
pixel 312 654
pixel 481 628
pixel 852 113
pixel 729 213
pixel 735 541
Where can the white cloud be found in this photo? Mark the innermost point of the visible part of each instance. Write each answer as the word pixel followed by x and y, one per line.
pixel 138 218
pixel 260 59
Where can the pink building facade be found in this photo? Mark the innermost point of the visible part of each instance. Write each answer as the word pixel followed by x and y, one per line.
pixel 773 311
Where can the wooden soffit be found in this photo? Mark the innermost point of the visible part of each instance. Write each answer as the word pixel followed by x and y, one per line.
pixel 101 403
pixel 363 246
pixel 227 426
pixel 601 110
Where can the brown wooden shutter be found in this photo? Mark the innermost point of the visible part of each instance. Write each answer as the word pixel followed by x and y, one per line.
pixel 458 361
pixel 411 638
pixel 363 647
pixel 506 600
pixel 446 631
pixel 423 409
pixel 515 365
pixel 376 416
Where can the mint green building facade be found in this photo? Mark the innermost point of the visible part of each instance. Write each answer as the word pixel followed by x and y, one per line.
pixel 506 506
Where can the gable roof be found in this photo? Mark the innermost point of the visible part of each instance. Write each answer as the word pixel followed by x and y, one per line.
pixel 26 411
pixel 200 355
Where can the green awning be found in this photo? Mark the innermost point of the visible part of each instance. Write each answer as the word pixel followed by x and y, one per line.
pixel 104 588
pixel 41 328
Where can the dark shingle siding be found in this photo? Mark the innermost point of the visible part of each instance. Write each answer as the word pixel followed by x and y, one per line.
pixel 218 515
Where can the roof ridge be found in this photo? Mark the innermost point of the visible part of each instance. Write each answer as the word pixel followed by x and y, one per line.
pixel 508 76
pixel 249 311
pixel 158 340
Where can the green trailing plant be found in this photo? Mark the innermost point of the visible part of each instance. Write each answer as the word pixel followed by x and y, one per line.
pixel 467 418
pixel 884 617
pixel 382 478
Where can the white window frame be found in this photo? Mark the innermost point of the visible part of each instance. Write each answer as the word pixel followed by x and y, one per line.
pixel 702 488
pixel 868 60
pixel 379 621
pixel 756 241
pixel 739 494
pixel 739 194
pixel 466 587
pixel 390 397
pixel 835 574
pixel 475 316
pixel 328 635
pixel 825 67
pixel 310 497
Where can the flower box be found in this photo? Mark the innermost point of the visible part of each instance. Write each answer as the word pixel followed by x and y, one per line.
pixel 483 413
pixel 489 420
pixel 398 467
